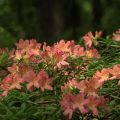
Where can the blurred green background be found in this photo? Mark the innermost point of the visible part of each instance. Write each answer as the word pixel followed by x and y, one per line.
pixel 51 20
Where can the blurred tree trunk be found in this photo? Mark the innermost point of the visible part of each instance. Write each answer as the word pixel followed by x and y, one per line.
pixel 73 18
pixel 56 16
pixel 50 14
pixel 97 13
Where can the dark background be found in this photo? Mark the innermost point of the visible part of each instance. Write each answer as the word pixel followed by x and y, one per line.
pixel 51 20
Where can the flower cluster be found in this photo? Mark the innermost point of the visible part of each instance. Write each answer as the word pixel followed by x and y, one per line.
pixel 88 92
pixel 37 66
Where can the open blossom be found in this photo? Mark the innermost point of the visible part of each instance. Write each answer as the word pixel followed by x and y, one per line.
pixel 116 35
pixel 115 71
pixel 10 82
pixel 30 78
pixel 40 80
pixel 70 103
pixel 19 55
pixel 92 53
pixel 55 57
pixel 15 83
pixel 90 87
pixel 94 102
pixel 102 75
pixel 78 51
pixel 26 49
pixel 19 69
pixel 80 102
pixel 26 45
pixel 63 46
pixel 60 59
pixel 44 80
pixel 71 84
pixel 13 69
pixel 22 44
pixel 62 63
pixel 6 84
pixel 31 48
pixel 14 79
pixel 98 34
pixel 88 39
pixel 67 104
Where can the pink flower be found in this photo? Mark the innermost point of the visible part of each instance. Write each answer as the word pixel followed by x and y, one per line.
pixel 90 87
pixel 80 102
pixel 67 104
pixel 11 82
pixel 115 71
pixel 116 35
pixel 26 49
pixel 40 80
pixel 30 77
pixel 95 102
pixel 15 83
pixel 102 75
pixel 88 40
pixel 26 45
pixel 71 84
pixel 98 34
pixel 64 47
pixel 78 51
pixel 44 81
pixel 92 53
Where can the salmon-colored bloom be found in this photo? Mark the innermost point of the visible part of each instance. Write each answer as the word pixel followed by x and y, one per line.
pixel 115 71
pixel 11 82
pixel 26 49
pixel 71 84
pixel 80 102
pixel 26 45
pixel 92 53
pixel 116 35
pixel 94 102
pixel 88 40
pixel 44 80
pixel 102 75
pixel 63 46
pixel 67 104
pixel 90 87
pixel 98 34
pixel 78 51
pixel 30 77
pixel 15 83
pixel 40 80
pixel 60 59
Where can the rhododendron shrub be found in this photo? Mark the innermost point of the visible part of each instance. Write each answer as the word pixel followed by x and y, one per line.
pixel 74 76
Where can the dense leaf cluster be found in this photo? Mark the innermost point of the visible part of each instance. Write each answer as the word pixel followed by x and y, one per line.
pixel 62 81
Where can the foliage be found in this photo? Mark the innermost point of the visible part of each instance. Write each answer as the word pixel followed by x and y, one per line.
pixel 62 81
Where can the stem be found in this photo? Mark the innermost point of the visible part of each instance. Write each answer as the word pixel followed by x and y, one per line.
pixel 44 102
